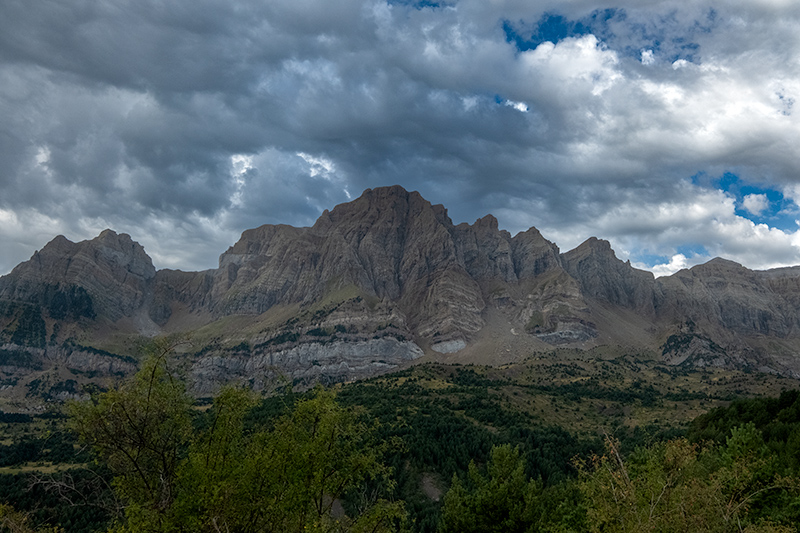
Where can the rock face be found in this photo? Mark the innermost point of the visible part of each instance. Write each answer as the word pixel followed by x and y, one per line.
pixel 379 281
pixel 304 363
pixel 110 276
pixel 604 277
pixel 56 372
pixel 391 244
pixel 726 295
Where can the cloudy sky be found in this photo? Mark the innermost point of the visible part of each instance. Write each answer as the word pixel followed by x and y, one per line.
pixel 670 128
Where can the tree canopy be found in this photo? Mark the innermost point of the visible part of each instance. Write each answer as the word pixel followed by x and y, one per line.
pixel 178 470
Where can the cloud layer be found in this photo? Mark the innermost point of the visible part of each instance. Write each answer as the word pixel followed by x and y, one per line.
pixel 669 128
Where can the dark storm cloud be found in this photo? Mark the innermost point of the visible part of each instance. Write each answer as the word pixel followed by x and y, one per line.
pixel 186 122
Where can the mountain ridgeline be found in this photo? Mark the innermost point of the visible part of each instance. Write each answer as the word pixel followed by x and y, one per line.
pixel 376 284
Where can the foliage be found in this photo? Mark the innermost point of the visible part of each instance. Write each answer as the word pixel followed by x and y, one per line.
pixel 443 430
pixel 75 499
pixel 678 486
pixel 777 418
pixel 13 418
pixel 287 479
pixel 139 431
pixel 55 447
pixel 502 500
pixel 249 464
pixel 13 521
pixel 776 421
pixel 177 470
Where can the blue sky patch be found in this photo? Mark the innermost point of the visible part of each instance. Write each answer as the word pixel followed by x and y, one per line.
pixel 689 251
pixel 417 4
pixel 613 27
pixel 760 204
pixel 649 259
pixel 692 250
pixel 551 27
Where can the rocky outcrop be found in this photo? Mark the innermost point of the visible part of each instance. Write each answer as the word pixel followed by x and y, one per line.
pixel 389 243
pixel 30 376
pixel 109 276
pixel 390 269
pixel 73 357
pixel 604 277
pixel 303 364
pixel 534 255
pixel 484 251
pixel 722 294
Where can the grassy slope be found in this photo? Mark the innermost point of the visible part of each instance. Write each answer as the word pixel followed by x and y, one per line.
pixel 597 390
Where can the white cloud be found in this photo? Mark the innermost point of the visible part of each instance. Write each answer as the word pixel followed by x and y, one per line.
pixel 318 166
pixel 680 63
pixel 241 165
pixel 574 66
pixel 755 204
pixel 327 98
pixel 701 218
pixel 43 156
pixel 677 262
pixel 522 107
pixel 22 231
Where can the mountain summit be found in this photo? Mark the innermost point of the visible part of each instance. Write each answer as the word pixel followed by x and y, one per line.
pixel 384 280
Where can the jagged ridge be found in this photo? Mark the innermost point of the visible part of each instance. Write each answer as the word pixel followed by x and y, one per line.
pixel 389 265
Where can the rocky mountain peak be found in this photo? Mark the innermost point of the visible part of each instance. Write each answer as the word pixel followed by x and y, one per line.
pixel 112 269
pixel 718 265
pixel 390 271
pixel 599 248
pixel 488 222
pixel 605 277
pixel 59 244
pixel 379 243
pixel 121 251
pixel 533 254
pixel 385 205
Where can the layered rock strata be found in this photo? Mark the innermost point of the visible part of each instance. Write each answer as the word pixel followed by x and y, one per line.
pixel 391 270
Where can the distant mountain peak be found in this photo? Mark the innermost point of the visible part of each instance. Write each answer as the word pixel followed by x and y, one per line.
pixel 112 268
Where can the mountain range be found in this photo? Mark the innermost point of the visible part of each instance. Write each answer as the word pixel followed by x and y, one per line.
pixel 375 284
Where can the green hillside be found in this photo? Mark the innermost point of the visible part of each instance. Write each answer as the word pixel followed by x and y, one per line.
pixel 418 449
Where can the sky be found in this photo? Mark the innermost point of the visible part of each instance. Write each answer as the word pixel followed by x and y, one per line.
pixel 669 128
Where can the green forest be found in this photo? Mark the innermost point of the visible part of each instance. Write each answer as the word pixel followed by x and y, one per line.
pixel 434 448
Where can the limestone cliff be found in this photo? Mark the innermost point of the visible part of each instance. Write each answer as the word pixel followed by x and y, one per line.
pixel 602 276
pixel 110 276
pixel 377 282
